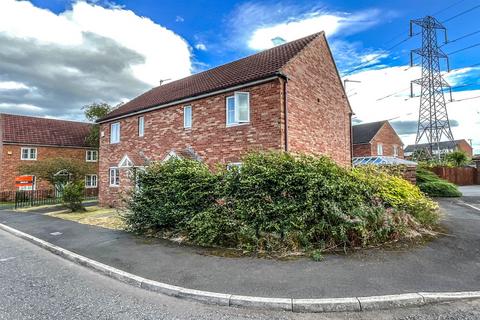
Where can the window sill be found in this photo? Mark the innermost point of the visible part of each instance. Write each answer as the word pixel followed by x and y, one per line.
pixel 114 186
pixel 237 124
pixel 91 187
pixel 91 160
pixel 28 159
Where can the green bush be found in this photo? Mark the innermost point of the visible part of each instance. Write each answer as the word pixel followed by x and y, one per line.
pixel 73 194
pixel 434 186
pixel 276 202
pixel 398 193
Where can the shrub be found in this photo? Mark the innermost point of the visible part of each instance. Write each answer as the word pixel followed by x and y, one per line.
pixel 73 194
pixel 458 158
pixel 434 186
pixel 172 193
pixel 398 193
pixel 276 202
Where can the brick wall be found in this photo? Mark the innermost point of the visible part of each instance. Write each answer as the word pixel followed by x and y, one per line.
pixel 318 111
pixel 464 146
pixel 10 161
pixel 362 150
pixel 209 136
pixel 388 137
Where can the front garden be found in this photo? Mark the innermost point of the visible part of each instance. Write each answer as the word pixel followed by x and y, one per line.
pixel 278 203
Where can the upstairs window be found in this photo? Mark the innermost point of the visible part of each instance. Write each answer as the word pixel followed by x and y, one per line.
pixel 238 108
pixel 141 126
pixel 187 117
pixel 379 149
pixel 115 132
pixel 395 151
pixel 91 155
pixel 29 154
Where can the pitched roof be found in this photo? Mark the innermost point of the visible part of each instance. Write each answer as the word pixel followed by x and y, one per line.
pixel 364 133
pixel 442 144
pixel 40 131
pixel 259 66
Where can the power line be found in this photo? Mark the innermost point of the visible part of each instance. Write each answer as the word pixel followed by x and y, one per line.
pixel 466 48
pixel 449 7
pixel 462 37
pixel 462 13
pixel 365 63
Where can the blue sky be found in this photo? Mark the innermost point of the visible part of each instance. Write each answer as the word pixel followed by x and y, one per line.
pixel 76 52
pixel 212 23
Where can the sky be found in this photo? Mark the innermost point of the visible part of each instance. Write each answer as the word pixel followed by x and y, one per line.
pixel 59 55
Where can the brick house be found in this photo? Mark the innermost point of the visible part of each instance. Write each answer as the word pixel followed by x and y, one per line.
pixel 286 98
pixel 448 146
pixel 376 139
pixel 25 139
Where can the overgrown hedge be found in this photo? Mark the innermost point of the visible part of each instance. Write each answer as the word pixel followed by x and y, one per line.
pixel 434 186
pixel 277 202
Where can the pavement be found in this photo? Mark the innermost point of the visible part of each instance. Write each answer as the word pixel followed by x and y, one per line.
pixel 450 263
pixel 38 285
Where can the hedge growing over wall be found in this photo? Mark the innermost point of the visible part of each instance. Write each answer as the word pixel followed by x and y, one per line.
pixel 277 202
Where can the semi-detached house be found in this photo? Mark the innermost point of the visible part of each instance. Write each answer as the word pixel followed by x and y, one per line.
pixel 26 139
pixel 286 98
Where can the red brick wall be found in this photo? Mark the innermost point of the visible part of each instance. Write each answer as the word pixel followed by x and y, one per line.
pixel 387 136
pixel 10 162
pixel 318 111
pixel 362 150
pixel 464 146
pixel 209 136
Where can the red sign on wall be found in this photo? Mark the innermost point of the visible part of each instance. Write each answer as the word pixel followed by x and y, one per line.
pixel 24 181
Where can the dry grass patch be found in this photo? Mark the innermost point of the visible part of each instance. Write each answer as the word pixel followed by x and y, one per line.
pixel 95 216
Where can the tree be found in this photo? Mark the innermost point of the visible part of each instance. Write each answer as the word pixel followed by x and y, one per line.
pixel 57 170
pixel 94 112
pixel 458 158
pixel 69 173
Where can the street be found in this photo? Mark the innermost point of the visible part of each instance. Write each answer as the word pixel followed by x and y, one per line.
pixel 39 285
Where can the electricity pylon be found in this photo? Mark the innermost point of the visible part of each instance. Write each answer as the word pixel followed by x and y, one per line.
pixel 433 120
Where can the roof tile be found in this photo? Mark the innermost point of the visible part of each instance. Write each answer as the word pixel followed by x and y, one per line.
pixel 255 67
pixel 42 131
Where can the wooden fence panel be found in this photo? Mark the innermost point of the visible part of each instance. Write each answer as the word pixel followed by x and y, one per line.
pixel 460 176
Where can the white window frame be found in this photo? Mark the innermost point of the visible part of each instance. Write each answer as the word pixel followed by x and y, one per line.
pixel 116 177
pixel 116 138
pixel 186 119
pixel 231 165
pixel 237 121
pixel 379 149
pixel 90 185
pixel 141 126
pixel 29 158
pixel 89 155
pixel 395 150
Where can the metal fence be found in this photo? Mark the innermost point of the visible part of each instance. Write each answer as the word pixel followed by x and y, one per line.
pixel 32 198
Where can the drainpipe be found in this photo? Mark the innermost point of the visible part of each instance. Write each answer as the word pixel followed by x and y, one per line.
pixel 285 108
pixel 351 139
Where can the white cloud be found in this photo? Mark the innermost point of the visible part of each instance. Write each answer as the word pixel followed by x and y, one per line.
pixel 84 54
pixel 292 28
pixel 12 85
pixel 385 94
pixel 201 46
pixel 20 106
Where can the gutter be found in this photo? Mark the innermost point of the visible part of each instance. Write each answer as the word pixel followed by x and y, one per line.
pixel 285 108
pixel 185 100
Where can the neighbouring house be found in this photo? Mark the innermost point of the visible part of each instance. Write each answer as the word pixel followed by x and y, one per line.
pixel 446 146
pixel 25 139
pixel 376 139
pixel 286 98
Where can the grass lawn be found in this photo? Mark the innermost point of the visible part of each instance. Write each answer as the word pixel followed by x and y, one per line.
pixel 95 216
